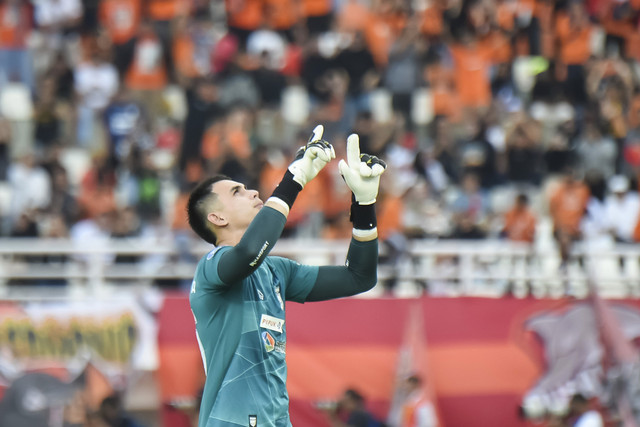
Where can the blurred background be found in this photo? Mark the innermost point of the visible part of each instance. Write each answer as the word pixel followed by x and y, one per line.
pixel 508 217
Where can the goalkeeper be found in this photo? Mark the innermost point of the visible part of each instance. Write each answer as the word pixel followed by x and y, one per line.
pixel 238 292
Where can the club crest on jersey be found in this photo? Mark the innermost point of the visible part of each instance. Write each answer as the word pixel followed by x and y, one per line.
pixel 253 420
pixel 269 341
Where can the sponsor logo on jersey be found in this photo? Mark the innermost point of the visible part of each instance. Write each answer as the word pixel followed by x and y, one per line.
pixel 260 295
pixel 269 341
pixel 281 347
pixel 271 323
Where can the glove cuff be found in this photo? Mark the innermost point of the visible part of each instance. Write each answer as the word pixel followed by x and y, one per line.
pixel 288 189
pixel 363 217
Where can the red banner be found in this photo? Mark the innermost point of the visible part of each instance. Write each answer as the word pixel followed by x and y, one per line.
pixel 483 355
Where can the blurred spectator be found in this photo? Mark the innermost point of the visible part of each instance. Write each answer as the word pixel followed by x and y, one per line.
pixel 357 61
pixel 594 227
pixel 97 188
pixel 282 16
pixel 202 109
pixel 121 18
pixel 5 140
pixel 520 221
pixel 385 22
pixel 472 62
pixel 403 73
pixel 113 413
pixel 243 17
pixel 124 120
pixel 524 153
pixel 353 16
pixel 96 82
pixel 424 215
pixel 267 43
pixel 446 148
pixel 574 30
pixel 595 152
pixel 63 203
pixel 30 186
pixel 428 167
pixel 351 411
pixel 471 210
pixel 581 415
pixel 477 155
pixel 621 209
pixel 269 81
pixel 416 409
pixel 318 15
pixel 15 57
pixel 567 205
pixel 47 119
pixel 147 74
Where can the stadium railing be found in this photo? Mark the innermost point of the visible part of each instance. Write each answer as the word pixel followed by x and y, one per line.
pixel 489 268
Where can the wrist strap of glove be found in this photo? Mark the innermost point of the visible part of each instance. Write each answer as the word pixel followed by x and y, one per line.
pixel 287 190
pixel 363 217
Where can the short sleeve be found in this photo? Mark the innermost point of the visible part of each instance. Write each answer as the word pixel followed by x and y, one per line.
pixel 299 279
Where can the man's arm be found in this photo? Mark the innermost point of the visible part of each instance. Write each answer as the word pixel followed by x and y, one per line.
pixel 359 274
pixel 265 229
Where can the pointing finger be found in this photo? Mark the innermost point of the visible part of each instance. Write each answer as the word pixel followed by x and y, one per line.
pixel 316 135
pixel 353 150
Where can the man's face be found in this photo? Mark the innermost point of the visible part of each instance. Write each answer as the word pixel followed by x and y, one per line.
pixel 235 205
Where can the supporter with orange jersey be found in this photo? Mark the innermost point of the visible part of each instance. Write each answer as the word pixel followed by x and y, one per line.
pixel 385 22
pixel 574 31
pixel 243 17
pixel 520 221
pixel 567 205
pixel 147 73
pixel 472 63
pixel 121 19
pixel 282 16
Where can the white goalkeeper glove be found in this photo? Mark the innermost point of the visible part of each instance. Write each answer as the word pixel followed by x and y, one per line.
pixel 311 158
pixel 361 172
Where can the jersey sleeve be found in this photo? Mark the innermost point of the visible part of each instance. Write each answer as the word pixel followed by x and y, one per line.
pixel 207 276
pixel 298 278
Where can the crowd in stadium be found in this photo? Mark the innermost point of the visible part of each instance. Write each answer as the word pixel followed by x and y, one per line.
pixel 493 115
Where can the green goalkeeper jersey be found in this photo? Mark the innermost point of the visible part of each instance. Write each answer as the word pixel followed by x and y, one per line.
pixel 242 335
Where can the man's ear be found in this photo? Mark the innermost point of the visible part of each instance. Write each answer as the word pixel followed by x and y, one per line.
pixel 217 219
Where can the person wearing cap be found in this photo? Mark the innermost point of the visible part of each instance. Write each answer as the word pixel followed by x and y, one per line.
pixel 621 209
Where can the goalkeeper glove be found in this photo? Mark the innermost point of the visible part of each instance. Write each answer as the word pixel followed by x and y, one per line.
pixel 309 160
pixel 361 172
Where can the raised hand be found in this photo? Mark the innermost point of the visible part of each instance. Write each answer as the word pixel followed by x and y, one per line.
pixel 361 172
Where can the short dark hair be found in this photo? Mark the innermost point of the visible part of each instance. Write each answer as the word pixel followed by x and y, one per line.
pixel 195 208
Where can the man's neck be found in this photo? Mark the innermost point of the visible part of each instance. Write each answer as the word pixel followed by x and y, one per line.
pixel 230 238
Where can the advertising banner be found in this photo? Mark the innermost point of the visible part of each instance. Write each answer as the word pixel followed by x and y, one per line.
pixel 484 361
pixel 48 351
